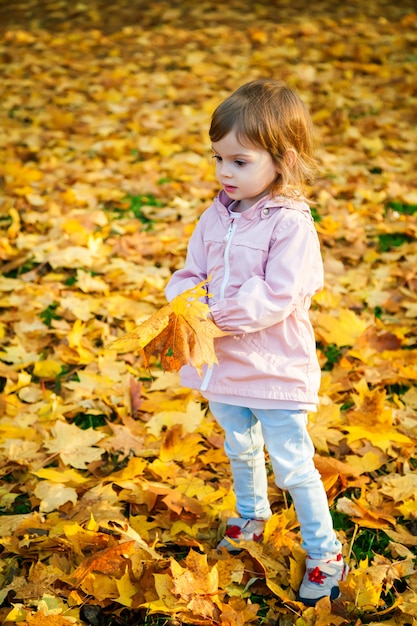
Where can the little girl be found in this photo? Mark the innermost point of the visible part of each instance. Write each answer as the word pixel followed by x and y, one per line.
pixel 258 246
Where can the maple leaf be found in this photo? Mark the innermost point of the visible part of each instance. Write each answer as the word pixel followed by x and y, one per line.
pixel 85 538
pixel 236 612
pixel 361 588
pixel 322 427
pixel 54 495
pixel 323 614
pixel 196 578
pixel 111 562
pixel 365 514
pixel 61 476
pixel 336 476
pixel 342 330
pixel 122 439
pixel 370 459
pixel 127 589
pixel 179 502
pixel 74 445
pixel 372 419
pixel 189 419
pixel 176 446
pixel 180 332
pixel 166 601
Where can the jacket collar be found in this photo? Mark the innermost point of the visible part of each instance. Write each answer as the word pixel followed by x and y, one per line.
pixel 224 203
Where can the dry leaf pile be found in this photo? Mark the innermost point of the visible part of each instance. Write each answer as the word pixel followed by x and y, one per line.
pixel 114 484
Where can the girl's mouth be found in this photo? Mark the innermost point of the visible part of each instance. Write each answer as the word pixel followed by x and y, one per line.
pixel 229 188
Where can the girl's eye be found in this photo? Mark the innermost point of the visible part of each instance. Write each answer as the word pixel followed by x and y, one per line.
pixel 217 158
pixel 240 163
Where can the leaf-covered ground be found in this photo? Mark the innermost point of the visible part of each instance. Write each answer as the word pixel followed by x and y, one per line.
pixel 114 485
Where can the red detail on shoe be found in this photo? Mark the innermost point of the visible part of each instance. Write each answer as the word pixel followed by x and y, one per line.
pixel 233 532
pixel 257 537
pixel 339 557
pixel 316 576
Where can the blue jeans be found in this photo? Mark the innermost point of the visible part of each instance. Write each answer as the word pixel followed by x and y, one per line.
pixel 284 434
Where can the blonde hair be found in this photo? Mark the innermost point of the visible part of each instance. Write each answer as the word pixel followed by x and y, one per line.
pixel 267 113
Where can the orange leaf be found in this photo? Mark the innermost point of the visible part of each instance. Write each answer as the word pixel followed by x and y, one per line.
pixel 180 332
pixel 40 619
pixel 110 561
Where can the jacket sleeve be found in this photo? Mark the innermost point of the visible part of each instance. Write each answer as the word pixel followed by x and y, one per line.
pixel 293 273
pixel 194 270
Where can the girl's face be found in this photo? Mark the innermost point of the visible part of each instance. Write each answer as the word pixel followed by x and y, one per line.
pixel 246 172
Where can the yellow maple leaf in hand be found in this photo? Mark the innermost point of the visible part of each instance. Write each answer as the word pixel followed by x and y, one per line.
pixel 181 332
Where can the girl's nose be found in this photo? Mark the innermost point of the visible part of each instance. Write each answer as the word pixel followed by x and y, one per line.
pixel 224 169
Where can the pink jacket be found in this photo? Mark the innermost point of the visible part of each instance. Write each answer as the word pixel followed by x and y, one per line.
pixel 265 264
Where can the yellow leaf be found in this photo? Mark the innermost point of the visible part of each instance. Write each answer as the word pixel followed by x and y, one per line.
pixel 380 438
pixel 9 523
pixel 74 445
pixel 126 589
pixel 18 174
pixel 19 613
pixel 54 495
pixel 372 145
pixel 191 531
pixel 342 330
pixel 134 468
pixel 88 283
pixel 102 587
pixel 362 589
pixel 196 578
pixel 47 369
pixel 399 488
pixel 324 615
pixel 142 525
pixel 15 226
pixel 140 546
pixel 167 601
pixel 408 509
pixel 179 447
pixel 167 470
pixel 372 419
pixel 271 568
pixel 35 199
pixel 61 476
pixel 77 343
pixel 189 419
pixel 84 538
pixel 402 535
pixel 323 426
pixel 368 462
pixel 180 332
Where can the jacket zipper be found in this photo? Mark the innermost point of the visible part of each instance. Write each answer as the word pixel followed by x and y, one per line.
pixel 228 239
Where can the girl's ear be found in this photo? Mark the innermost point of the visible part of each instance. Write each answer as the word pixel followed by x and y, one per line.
pixel 290 157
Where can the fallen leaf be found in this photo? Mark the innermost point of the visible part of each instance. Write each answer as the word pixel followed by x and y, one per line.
pixel 74 445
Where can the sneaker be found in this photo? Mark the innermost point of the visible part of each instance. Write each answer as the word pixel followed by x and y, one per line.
pixel 322 579
pixel 240 530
